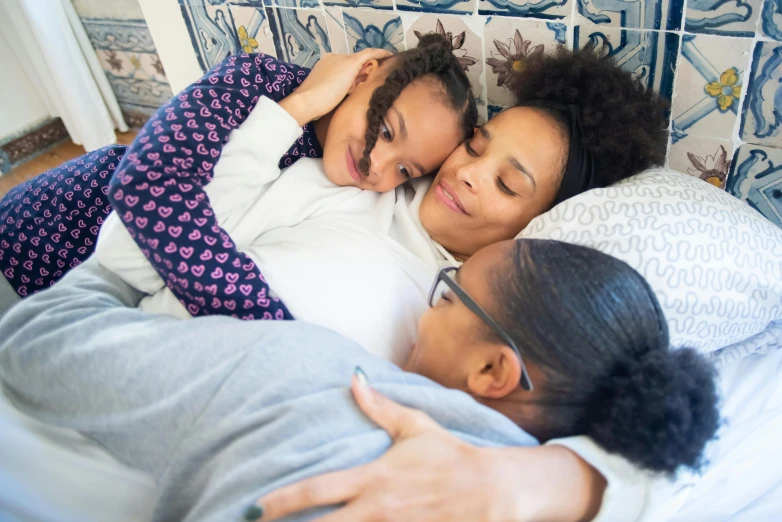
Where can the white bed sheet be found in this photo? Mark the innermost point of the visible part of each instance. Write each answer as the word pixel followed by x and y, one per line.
pixel 743 480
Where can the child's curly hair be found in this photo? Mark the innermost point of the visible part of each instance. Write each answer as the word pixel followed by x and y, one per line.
pixel 623 123
pixel 433 57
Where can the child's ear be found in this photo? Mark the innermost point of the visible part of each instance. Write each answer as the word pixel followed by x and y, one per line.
pixel 368 70
pixel 499 374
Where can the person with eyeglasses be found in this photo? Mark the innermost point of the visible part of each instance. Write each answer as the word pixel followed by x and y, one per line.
pixel 556 339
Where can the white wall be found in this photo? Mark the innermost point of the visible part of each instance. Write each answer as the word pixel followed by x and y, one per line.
pixel 20 105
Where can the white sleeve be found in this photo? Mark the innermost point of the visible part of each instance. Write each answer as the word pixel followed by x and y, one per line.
pixel 632 494
pixel 250 159
pixel 247 166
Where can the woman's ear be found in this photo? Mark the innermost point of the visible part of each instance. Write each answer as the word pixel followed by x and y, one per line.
pixel 498 375
pixel 367 72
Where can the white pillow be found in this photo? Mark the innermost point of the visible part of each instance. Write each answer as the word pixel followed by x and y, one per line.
pixel 714 262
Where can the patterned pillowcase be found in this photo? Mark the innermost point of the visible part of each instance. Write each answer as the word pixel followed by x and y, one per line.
pixel 714 262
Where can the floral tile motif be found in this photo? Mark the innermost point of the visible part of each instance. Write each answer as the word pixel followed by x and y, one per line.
pixel 648 14
pixel 706 158
pixel 374 4
pixel 508 43
pixel 723 17
pixel 335 23
pixel 544 9
pixel 378 29
pixel 129 57
pixel 709 84
pixel 756 177
pixel 466 45
pixel 253 33
pixel 762 114
pixel 300 35
pixel 437 6
pixel 649 55
pixel 771 19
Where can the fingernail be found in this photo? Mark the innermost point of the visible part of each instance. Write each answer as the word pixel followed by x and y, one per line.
pixel 361 376
pixel 253 513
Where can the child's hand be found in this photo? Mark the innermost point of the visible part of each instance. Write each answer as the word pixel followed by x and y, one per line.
pixel 327 85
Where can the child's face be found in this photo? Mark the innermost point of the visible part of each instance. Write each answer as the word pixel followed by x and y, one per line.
pixel 416 136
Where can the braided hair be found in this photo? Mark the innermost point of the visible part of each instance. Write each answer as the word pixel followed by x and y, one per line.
pixel 433 57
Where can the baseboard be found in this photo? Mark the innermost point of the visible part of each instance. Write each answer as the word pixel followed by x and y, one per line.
pixel 28 142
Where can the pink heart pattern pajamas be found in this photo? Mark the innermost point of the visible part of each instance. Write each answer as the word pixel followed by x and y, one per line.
pixel 50 224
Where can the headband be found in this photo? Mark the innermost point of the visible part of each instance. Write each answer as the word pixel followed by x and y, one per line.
pixel 580 168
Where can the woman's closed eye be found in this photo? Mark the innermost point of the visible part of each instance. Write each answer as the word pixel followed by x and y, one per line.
pixel 505 188
pixel 470 150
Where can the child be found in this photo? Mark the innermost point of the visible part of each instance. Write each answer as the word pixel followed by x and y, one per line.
pixel 72 200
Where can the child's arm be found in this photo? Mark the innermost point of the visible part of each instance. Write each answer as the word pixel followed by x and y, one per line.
pixel 158 189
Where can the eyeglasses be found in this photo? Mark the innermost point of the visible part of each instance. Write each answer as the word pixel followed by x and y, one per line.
pixel 445 281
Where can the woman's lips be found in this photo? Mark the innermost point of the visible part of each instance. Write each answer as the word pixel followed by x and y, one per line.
pixel 352 168
pixel 448 197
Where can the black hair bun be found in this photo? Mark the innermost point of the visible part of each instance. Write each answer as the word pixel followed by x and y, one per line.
pixel 657 411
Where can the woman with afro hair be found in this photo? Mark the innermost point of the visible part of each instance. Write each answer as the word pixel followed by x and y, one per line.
pixel 579 122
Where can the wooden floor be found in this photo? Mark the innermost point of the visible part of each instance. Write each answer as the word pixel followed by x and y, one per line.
pixel 54 157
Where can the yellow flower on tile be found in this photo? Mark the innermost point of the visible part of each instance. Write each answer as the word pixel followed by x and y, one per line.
pixel 136 62
pixel 247 43
pixel 725 90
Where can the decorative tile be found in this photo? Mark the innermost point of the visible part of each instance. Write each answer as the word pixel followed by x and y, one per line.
pixel 253 32
pixel 129 57
pixel 119 35
pixel 378 29
pixel 437 6
pixel 301 4
pixel 723 17
pixel 545 9
pixel 374 4
pixel 494 110
pixel 300 35
pixel 771 19
pixel 335 23
pixel 466 45
pixel 762 112
pixel 756 178
pixel 649 55
pixel 708 87
pixel 509 42
pixel 648 14
pixel 211 30
pixel 706 158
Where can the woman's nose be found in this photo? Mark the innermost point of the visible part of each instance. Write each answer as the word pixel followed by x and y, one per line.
pixel 467 173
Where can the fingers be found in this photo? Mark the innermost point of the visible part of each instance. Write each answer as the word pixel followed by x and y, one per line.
pixel 323 490
pixel 397 420
pixel 371 53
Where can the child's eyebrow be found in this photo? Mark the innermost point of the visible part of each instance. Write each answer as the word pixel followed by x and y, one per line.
pixel 402 126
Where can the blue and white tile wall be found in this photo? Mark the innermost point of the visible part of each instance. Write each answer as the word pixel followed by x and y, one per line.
pixel 719 62
pixel 125 48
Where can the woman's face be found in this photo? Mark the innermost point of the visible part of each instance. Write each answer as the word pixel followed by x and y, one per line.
pixel 494 184
pixel 416 136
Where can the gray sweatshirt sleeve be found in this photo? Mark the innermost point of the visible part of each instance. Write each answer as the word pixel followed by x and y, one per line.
pixel 81 356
